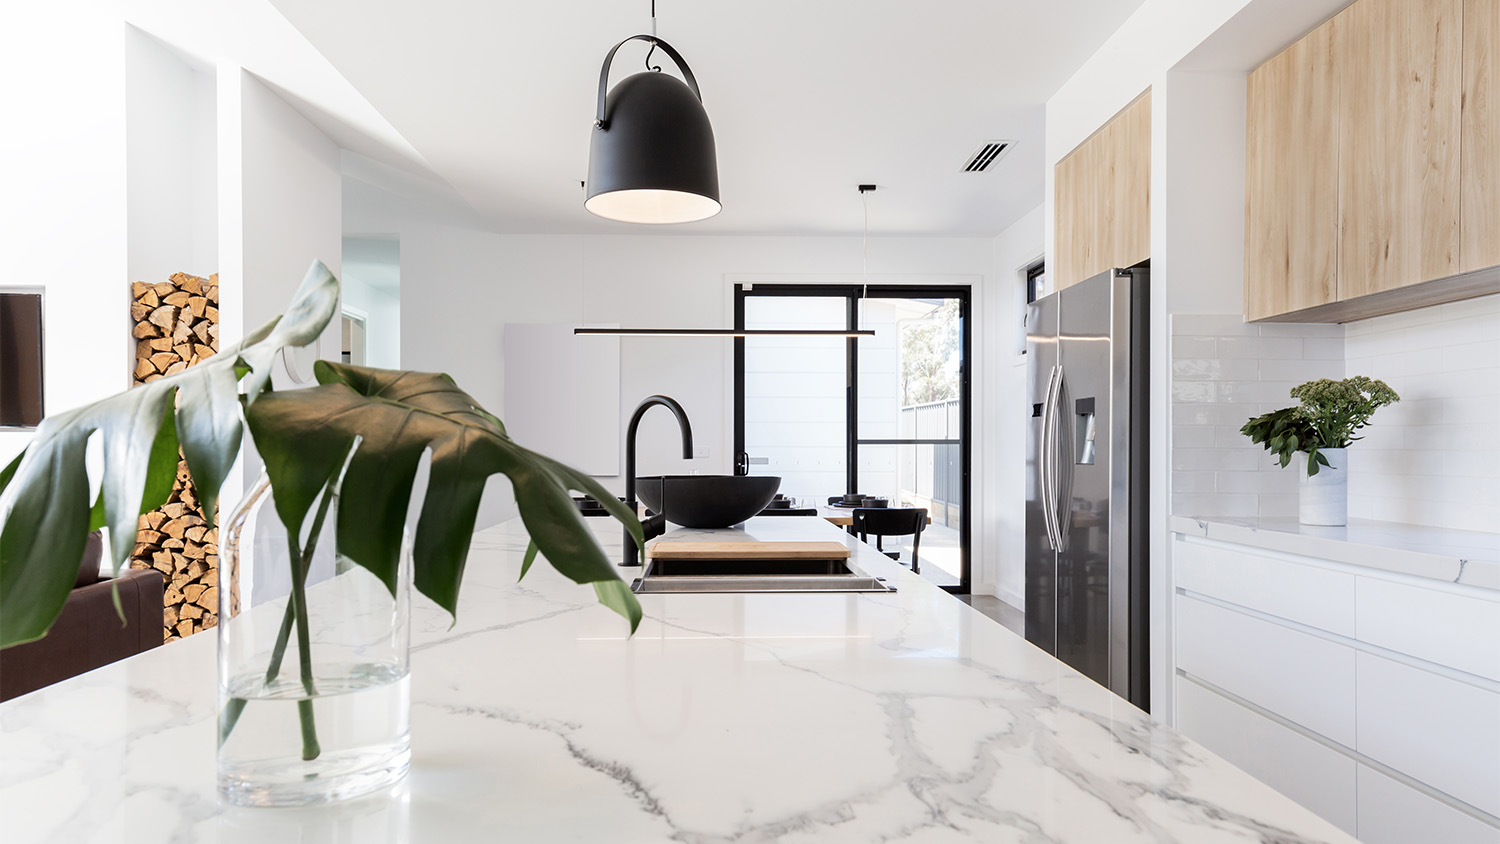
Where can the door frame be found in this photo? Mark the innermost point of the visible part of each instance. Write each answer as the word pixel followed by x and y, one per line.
pixel 852 293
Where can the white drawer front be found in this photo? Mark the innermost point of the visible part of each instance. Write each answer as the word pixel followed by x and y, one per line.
pixel 1304 679
pixel 1392 813
pixel 1458 631
pixel 1308 772
pixel 1433 729
pixel 1313 596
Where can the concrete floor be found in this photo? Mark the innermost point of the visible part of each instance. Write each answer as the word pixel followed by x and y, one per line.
pixel 1007 616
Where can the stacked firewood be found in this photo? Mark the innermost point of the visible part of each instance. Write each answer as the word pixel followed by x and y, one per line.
pixel 177 325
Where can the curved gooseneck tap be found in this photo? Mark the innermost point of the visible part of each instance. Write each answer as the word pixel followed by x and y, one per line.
pixel 632 554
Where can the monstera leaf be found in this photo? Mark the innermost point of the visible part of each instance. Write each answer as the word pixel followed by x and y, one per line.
pixel 391 418
pixel 44 493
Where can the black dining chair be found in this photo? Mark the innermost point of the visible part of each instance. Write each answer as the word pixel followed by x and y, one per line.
pixel 881 522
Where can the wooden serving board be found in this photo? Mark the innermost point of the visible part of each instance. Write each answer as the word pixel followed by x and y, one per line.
pixel 747 551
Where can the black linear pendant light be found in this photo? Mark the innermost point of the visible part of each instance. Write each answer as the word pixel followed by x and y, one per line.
pixel 652 157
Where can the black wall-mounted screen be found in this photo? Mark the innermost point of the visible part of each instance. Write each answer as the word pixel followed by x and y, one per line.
pixel 20 359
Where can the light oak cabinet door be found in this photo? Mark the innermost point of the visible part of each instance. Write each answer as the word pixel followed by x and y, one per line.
pixel 1292 179
pixel 1102 198
pixel 1479 163
pixel 1399 132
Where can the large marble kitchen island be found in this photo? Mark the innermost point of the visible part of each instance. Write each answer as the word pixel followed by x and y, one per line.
pixel 822 718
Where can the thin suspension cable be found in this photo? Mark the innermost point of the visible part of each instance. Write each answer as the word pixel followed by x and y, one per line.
pixel 652 51
pixel 865 244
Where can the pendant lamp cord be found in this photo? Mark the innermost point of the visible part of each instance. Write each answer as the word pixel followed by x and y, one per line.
pixel 864 245
pixel 652 51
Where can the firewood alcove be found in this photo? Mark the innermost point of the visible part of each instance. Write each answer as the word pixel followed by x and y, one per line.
pixel 176 325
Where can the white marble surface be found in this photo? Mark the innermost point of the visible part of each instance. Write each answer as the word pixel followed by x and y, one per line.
pixel 749 718
pixel 1467 557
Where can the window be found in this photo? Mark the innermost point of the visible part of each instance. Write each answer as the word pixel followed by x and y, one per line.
pixel 1035 288
pixel 1036 282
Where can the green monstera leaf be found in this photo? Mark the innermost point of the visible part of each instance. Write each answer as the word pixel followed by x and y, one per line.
pixel 391 418
pixel 44 492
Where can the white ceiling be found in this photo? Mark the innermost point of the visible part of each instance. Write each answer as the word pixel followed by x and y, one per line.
pixel 808 99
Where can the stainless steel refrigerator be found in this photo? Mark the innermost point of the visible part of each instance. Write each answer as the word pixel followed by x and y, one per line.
pixel 1086 489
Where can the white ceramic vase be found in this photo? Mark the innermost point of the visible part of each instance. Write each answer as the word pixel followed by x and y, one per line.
pixel 1324 497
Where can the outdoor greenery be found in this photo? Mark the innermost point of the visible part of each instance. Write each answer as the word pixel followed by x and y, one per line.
pixel 928 347
pixel 387 418
pixel 1327 416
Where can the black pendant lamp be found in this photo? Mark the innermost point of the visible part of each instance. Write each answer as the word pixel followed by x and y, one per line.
pixel 652 156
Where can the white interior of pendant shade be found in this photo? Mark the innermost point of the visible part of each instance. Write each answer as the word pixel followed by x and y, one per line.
pixel 652 206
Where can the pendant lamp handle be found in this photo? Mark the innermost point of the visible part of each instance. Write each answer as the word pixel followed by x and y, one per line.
pixel 687 73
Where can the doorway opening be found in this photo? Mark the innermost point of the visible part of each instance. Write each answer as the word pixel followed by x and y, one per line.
pixel 885 416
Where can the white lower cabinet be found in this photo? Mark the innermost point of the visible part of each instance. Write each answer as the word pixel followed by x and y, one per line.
pixel 1390 812
pixel 1432 728
pixel 1317 776
pixel 1379 710
pixel 1305 679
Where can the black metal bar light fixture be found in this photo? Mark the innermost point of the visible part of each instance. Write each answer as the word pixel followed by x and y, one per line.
pixel 652 156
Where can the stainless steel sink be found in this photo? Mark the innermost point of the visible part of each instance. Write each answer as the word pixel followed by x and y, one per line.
pixel 756 576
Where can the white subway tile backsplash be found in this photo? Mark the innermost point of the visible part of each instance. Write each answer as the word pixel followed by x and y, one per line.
pixel 1215 504
pixel 1193 391
pixel 1323 348
pixel 1212 325
pixel 1192 436
pixel 1432 459
pixel 1187 482
pixel 1261 348
pixel 1445 363
pixel 1300 370
pixel 1210 414
pixel 1225 372
pixel 1282 482
pixel 1195 347
pixel 1305 330
pixel 1213 459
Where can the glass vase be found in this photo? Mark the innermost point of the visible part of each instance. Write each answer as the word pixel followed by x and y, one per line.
pixel 314 655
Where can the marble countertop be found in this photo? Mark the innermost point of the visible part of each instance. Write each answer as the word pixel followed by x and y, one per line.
pixel 750 718
pixel 1466 557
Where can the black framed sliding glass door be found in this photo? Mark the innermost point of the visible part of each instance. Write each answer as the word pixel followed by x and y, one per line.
pixel 886 416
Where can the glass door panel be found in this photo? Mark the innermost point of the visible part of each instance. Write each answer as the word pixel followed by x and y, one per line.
pixel 909 448
pixel 795 395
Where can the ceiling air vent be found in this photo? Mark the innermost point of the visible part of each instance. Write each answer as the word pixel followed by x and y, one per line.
pixel 988 153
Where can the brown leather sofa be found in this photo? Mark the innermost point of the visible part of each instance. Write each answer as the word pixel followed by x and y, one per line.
pixel 88 633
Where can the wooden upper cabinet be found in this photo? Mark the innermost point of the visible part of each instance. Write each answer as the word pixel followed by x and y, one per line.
pixel 1102 198
pixel 1399 132
pixel 1480 147
pixel 1292 179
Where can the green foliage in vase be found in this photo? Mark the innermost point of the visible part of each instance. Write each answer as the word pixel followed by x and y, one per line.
pixel 393 416
pixel 1328 415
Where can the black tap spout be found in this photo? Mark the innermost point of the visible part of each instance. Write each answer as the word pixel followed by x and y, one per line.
pixel 632 553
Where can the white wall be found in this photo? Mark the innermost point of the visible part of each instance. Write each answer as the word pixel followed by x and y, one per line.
pixel 1433 458
pixel 171 152
pixel 1002 462
pixel 63 207
pixel 292 206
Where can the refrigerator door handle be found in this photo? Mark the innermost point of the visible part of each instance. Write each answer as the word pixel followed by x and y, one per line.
pixel 1062 486
pixel 1047 453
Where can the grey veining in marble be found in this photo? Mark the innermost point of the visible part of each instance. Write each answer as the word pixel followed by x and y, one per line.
pixel 1470 558
pixel 727 718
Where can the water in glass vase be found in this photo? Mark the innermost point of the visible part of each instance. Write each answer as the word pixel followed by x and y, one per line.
pixel 355 726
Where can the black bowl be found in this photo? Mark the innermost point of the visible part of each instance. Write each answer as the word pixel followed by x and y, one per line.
pixel 707 501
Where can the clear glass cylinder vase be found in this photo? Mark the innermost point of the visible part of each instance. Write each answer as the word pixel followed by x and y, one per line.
pixel 314 658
